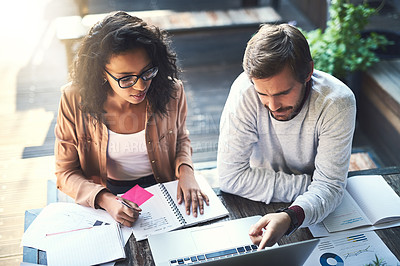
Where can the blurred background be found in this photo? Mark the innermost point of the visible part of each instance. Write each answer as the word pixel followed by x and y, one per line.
pixel 38 38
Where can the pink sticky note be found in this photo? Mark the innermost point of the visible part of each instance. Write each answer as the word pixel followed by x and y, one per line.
pixel 138 195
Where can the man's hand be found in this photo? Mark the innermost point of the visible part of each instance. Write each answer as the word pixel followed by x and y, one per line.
pixel 269 229
pixel 189 190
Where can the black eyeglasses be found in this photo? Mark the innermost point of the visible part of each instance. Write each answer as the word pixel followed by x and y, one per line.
pixel 129 81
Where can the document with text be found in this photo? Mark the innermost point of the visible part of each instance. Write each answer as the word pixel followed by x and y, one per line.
pixel 352 249
pixel 162 213
pixel 88 246
pixel 368 200
pixel 62 217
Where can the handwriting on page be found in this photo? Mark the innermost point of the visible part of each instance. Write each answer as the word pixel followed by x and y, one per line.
pixel 138 195
pixel 148 222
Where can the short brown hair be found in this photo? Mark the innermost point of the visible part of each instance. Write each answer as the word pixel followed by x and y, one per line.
pixel 275 46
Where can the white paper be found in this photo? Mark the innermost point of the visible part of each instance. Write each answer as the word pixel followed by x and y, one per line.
pixel 368 200
pixel 375 197
pixel 346 216
pixel 95 245
pixel 158 217
pixel 155 217
pixel 215 208
pixel 351 249
pixel 62 216
pixel 319 230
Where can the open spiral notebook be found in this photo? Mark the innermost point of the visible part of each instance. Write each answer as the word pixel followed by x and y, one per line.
pixel 162 213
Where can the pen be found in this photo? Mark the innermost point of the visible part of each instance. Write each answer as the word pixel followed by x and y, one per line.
pixel 126 204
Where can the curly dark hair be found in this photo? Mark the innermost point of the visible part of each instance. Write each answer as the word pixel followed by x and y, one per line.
pixel 117 33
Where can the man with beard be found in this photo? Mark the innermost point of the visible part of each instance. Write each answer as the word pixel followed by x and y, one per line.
pixel 285 134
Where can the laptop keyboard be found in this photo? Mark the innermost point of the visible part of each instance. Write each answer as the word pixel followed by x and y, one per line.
pixel 213 255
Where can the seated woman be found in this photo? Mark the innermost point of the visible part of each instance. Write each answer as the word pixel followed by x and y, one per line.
pixel 122 120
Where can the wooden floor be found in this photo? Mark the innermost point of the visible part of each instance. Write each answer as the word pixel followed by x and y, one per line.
pixel 33 67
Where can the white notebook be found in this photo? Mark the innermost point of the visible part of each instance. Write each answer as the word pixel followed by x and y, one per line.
pixel 86 246
pixel 368 200
pixel 161 213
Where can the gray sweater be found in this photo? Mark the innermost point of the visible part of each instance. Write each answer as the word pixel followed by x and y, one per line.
pixel 304 160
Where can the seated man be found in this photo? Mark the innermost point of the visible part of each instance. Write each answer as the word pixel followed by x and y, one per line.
pixel 286 134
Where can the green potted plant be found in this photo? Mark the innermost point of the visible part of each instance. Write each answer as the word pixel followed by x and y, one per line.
pixel 341 49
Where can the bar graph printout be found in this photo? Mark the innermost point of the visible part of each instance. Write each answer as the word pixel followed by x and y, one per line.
pixel 353 249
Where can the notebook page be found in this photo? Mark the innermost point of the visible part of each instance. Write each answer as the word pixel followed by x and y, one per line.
pixel 156 216
pixel 375 197
pixel 98 244
pixel 347 215
pixel 215 209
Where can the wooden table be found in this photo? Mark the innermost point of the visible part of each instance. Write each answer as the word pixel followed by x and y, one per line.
pixel 139 253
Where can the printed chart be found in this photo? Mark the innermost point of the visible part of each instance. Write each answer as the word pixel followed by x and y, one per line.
pixel 354 249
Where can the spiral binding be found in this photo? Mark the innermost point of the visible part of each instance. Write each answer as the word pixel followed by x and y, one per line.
pixel 171 203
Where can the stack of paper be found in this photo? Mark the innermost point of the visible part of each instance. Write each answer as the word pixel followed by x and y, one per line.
pixel 76 235
pixel 369 203
pixel 88 246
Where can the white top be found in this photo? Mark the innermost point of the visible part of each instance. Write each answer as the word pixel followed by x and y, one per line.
pixel 127 157
pixel 304 160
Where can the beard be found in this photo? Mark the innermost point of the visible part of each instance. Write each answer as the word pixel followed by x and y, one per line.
pixel 282 114
pixel 286 113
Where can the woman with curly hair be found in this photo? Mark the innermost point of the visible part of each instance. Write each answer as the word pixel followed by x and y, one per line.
pixel 122 120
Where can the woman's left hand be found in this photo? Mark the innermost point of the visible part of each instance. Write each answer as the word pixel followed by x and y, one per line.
pixel 189 191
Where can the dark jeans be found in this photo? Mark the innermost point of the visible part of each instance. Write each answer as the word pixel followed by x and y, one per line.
pixel 120 187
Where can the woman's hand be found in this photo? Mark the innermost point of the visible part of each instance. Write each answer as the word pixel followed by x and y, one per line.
pixel 269 229
pixel 189 191
pixel 122 214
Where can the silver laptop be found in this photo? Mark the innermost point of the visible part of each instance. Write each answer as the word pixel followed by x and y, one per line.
pixel 223 243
